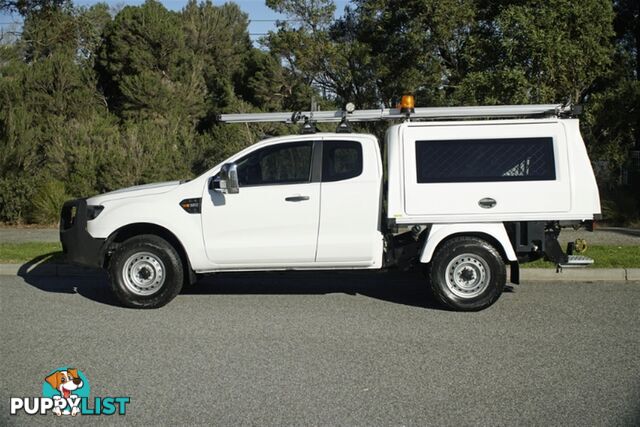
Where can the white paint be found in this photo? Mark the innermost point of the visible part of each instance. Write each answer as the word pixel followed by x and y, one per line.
pixel 439 232
pixel 339 226
pixel 573 195
pixel 353 241
pixel 257 225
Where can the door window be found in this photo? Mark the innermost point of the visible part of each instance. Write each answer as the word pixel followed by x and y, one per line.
pixel 341 160
pixel 277 164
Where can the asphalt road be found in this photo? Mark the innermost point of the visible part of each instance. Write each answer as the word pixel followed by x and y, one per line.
pixel 329 349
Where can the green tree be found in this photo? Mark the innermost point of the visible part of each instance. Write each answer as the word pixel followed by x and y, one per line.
pixel 611 124
pixel 416 46
pixel 27 7
pixel 218 37
pixel 538 52
pixel 47 89
pixel 91 102
pixel 303 44
pixel 146 70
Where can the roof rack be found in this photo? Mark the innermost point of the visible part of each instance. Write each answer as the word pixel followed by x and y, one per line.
pixel 345 116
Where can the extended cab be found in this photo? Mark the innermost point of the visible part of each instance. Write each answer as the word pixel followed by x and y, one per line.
pixel 464 198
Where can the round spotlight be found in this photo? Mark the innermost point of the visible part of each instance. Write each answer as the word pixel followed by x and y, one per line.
pixel 350 107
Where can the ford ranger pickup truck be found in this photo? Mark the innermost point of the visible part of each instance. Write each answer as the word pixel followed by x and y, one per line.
pixel 465 191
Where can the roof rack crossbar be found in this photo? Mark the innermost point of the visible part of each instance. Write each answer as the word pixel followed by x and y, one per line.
pixel 502 111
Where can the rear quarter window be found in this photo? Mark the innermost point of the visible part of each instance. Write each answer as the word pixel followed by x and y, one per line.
pixel 485 160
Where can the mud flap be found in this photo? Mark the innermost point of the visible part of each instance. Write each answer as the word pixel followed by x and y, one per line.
pixel 514 272
pixel 553 250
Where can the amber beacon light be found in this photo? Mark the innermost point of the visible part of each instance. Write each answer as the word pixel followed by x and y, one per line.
pixel 407 104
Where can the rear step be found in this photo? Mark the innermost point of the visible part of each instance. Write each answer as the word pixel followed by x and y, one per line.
pixel 554 253
pixel 577 261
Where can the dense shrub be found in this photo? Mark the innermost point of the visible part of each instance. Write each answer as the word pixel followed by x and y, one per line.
pixel 92 101
pixel 47 202
pixel 621 205
pixel 16 194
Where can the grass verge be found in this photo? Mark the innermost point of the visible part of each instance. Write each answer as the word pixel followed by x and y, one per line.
pixel 11 253
pixel 603 256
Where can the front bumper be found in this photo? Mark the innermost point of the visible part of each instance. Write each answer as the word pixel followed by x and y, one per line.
pixel 78 245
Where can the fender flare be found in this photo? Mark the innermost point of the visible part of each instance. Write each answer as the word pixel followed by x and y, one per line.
pixel 495 231
pixel 155 229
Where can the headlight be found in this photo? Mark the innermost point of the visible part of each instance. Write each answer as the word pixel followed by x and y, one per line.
pixel 93 212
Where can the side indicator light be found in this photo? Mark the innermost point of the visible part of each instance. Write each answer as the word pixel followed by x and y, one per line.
pixel 192 206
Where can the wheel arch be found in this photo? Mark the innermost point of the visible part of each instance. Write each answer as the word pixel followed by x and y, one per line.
pixel 136 229
pixel 493 233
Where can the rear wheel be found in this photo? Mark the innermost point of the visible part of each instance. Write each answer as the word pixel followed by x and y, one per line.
pixel 146 272
pixel 467 274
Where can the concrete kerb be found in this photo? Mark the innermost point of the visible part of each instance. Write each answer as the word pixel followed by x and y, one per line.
pixel 633 273
pixel 575 274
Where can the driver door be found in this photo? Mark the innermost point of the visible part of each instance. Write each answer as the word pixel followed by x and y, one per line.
pixel 273 220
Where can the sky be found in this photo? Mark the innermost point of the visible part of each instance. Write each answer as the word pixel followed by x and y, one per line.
pixel 262 18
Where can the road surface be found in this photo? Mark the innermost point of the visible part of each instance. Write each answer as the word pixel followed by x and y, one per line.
pixel 330 349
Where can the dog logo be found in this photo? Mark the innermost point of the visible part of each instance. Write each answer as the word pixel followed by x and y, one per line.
pixel 65 391
pixel 66 386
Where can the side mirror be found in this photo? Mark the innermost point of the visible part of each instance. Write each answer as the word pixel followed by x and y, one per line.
pixel 228 179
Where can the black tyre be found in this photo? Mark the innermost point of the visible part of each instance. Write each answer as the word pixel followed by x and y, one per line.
pixel 146 272
pixel 467 274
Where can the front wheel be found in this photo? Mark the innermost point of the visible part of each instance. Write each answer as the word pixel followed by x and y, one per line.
pixel 467 274
pixel 146 272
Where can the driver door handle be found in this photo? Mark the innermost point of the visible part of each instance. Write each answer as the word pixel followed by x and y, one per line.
pixel 296 198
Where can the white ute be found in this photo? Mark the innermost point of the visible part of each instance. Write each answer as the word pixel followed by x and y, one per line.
pixel 469 190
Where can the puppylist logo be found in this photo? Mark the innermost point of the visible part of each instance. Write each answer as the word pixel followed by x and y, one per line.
pixel 65 391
